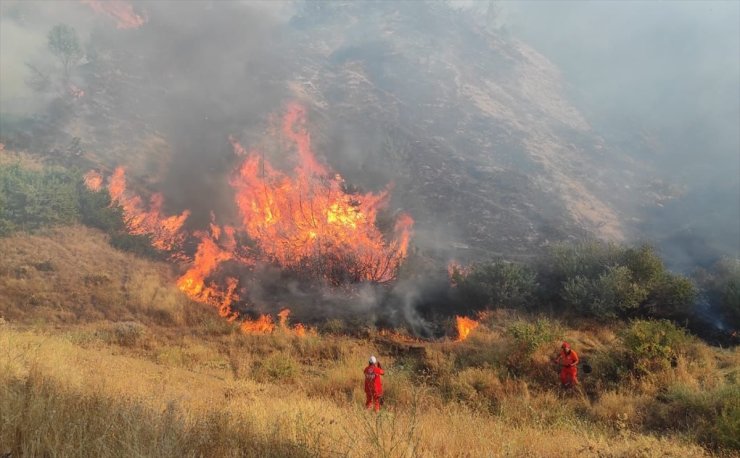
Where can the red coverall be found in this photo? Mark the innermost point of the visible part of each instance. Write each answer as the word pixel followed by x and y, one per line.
pixel 373 386
pixel 569 371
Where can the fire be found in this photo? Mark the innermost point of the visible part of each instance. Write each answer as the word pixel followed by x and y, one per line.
pixel 164 231
pixel 119 10
pixel 93 180
pixel 464 327
pixel 304 221
pixel 307 221
pixel 299 329
pixel 208 257
pixel 262 325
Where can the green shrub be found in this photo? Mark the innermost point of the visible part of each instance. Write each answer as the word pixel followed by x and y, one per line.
pixel 712 416
pixel 96 210
pixel 529 336
pixel 673 296
pixel 278 366
pixel 654 344
pixel 612 294
pixel 497 284
pixel 611 281
pixel 31 199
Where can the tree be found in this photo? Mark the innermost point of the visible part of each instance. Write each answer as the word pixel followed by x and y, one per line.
pixel 63 43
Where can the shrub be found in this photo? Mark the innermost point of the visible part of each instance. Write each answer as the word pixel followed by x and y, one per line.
pixel 654 344
pixel 30 199
pixel 673 296
pixel 126 333
pixel 713 416
pixel 610 281
pixel 498 284
pixel 95 210
pixel 529 336
pixel 279 366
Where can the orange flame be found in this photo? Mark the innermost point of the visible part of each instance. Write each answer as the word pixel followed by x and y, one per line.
pixel 119 10
pixel 304 221
pixel 262 325
pixel 464 327
pixel 298 330
pixel 164 231
pixel 309 222
pixel 93 180
pixel 193 283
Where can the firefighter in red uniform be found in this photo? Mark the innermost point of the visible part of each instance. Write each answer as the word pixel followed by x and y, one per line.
pixel 373 384
pixel 568 359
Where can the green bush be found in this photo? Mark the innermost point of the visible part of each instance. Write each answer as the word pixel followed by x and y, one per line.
pixel 31 199
pixel 654 344
pixel 613 293
pixel 712 416
pixel 96 210
pixel 497 284
pixel 611 281
pixel 529 336
pixel 278 366
pixel 673 296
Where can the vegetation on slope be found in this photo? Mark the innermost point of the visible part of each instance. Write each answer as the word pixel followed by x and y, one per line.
pixel 100 355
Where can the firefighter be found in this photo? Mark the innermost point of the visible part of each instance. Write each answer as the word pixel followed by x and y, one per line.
pixel 373 384
pixel 568 359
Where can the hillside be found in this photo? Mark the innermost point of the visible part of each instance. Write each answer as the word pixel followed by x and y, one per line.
pixel 213 213
pixel 486 137
pixel 101 356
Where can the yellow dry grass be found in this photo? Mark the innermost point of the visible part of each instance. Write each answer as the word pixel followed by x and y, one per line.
pixel 58 398
pixel 101 356
pixel 71 274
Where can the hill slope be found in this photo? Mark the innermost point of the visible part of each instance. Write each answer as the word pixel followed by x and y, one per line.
pixel 98 367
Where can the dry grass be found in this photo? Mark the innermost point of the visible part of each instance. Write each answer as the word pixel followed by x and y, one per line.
pixel 59 398
pixel 71 274
pixel 107 360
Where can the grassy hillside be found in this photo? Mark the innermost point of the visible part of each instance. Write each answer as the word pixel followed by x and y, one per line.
pixel 101 356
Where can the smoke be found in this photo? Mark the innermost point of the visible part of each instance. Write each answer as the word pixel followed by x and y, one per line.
pixel 498 127
pixel 659 80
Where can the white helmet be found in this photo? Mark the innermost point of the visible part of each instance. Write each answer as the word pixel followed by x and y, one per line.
pixel 373 360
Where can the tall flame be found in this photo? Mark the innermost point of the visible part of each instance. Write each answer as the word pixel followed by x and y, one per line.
pixel 307 221
pixel 164 231
pixel 304 221
pixel 464 327
pixel 208 257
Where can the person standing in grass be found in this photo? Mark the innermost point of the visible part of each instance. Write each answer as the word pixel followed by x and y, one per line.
pixel 568 359
pixel 373 384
